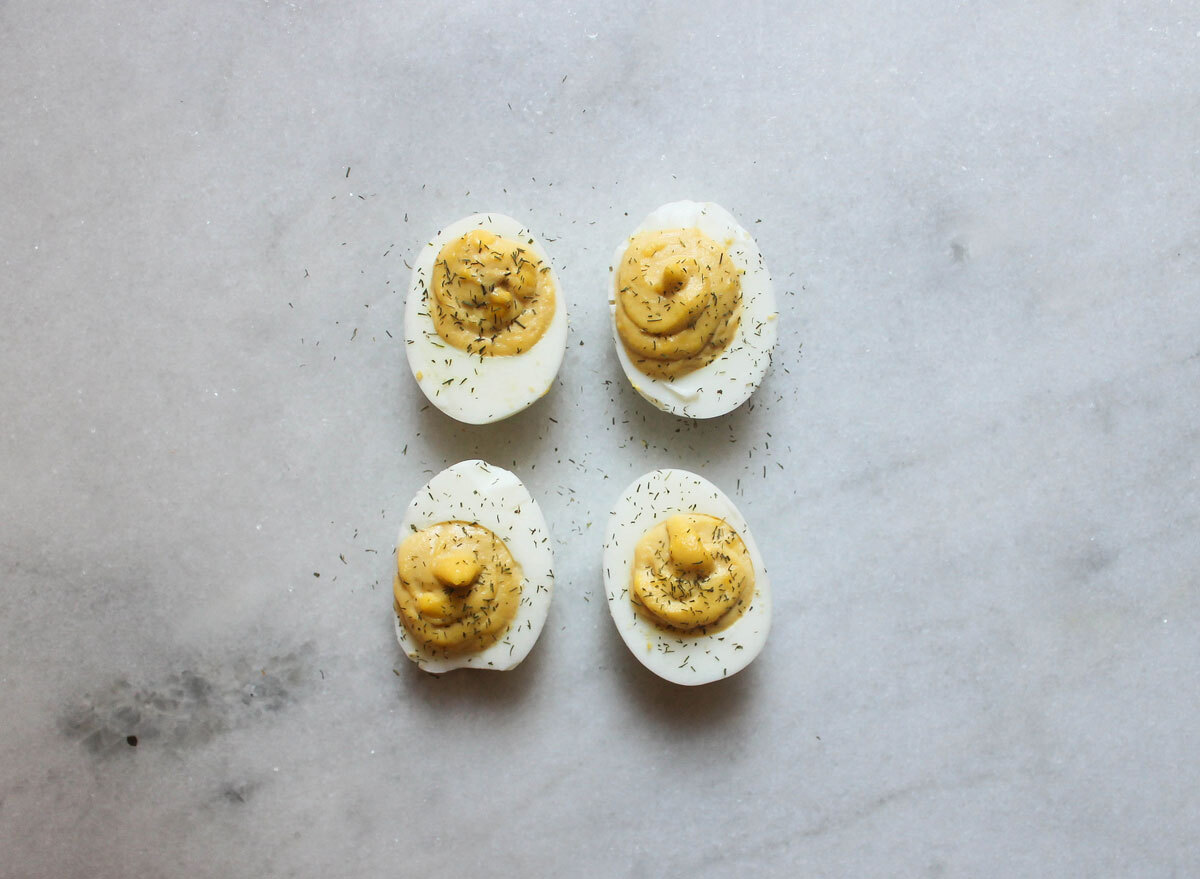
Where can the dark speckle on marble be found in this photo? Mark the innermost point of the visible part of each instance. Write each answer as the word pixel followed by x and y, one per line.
pixel 237 794
pixel 188 708
pixel 1094 559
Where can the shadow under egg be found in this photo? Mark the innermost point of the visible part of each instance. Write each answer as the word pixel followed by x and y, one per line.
pixel 676 707
pixel 694 439
pixel 477 686
pixel 507 443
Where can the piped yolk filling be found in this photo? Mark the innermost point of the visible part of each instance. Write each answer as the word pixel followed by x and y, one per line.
pixel 678 301
pixel 457 586
pixel 692 572
pixel 491 296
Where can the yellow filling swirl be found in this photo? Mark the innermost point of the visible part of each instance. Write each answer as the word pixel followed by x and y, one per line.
pixel 692 571
pixel 678 301
pixel 491 295
pixel 457 586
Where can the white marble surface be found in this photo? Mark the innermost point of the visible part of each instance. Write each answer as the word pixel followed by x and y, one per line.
pixel 979 439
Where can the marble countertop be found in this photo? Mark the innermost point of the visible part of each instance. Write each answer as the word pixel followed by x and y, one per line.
pixel 973 469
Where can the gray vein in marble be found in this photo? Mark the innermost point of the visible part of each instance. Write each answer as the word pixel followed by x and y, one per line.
pixel 188 709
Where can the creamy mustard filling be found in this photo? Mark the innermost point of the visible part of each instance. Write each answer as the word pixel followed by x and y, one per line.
pixel 678 300
pixel 692 572
pixel 490 295
pixel 457 586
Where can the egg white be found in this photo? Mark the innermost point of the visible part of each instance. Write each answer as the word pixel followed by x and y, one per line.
pixel 730 379
pixel 475 491
pixel 676 656
pixel 474 388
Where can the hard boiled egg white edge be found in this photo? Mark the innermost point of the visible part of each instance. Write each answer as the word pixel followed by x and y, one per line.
pixel 733 376
pixel 475 491
pixel 495 387
pixel 677 657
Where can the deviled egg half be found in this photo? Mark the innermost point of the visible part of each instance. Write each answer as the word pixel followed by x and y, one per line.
pixel 685 582
pixel 485 324
pixel 474 571
pixel 693 307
